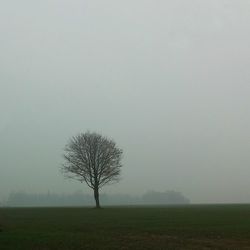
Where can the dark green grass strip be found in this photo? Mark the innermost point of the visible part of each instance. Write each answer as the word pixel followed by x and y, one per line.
pixel 179 227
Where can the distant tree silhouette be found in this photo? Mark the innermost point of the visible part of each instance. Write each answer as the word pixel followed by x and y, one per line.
pixel 23 199
pixel 93 159
pixel 167 197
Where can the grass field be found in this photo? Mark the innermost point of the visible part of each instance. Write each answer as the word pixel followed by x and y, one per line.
pixel 179 227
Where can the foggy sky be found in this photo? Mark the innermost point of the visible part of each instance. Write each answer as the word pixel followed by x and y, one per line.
pixel 167 80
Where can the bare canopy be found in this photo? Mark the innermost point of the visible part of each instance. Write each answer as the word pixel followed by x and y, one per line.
pixel 93 159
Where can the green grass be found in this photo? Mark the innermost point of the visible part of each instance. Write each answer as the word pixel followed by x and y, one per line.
pixel 177 227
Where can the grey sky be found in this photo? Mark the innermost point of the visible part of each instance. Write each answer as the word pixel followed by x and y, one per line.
pixel 167 80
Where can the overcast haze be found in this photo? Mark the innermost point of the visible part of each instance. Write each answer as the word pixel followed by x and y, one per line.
pixel 167 80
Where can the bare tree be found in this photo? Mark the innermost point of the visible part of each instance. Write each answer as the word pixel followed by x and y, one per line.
pixel 93 159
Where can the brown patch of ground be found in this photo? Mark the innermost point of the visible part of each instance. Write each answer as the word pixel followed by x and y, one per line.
pixel 152 241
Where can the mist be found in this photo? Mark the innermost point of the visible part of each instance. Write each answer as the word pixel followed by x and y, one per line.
pixel 167 80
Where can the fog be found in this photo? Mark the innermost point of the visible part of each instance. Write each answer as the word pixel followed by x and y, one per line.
pixel 167 80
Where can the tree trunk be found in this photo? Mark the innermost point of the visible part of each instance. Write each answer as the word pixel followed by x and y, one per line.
pixel 96 194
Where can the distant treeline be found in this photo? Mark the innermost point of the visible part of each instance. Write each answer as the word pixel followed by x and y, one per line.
pixel 81 199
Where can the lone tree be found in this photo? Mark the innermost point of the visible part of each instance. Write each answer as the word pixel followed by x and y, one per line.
pixel 93 159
